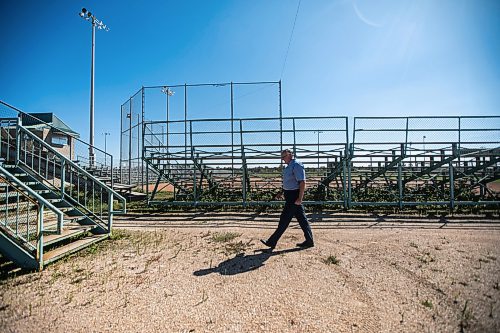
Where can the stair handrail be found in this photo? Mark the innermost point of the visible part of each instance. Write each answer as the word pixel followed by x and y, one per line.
pixel 75 137
pixel 108 189
pixel 42 202
pixel 13 179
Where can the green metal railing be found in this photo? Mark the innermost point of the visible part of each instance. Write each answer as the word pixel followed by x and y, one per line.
pixel 75 148
pixel 67 178
pixel 422 161
pixel 237 161
pixel 392 161
pixel 22 213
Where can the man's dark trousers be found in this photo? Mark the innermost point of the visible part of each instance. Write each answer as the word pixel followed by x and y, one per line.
pixel 289 211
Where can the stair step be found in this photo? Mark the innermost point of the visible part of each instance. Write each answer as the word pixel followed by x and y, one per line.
pixel 11 197
pixel 73 213
pixel 41 191
pixel 19 173
pixel 123 187
pixel 104 179
pixel 68 231
pixel 51 195
pixel 65 250
pixel 50 220
pixel 53 200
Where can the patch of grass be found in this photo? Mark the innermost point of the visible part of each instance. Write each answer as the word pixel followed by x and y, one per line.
pixel 331 260
pixel 426 258
pixel 92 249
pixel 427 304
pixel 119 234
pixel 224 237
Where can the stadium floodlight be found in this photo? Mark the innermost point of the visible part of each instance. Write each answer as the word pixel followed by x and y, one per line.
pixel 88 16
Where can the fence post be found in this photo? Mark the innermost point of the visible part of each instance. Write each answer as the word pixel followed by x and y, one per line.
pixel 40 238
pixel 344 181
pixel 400 185
pixel 349 180
pixel 143 126
pixel 18 145
pixel 110 212
pixel 244 167
pixel 400 173
pixel 63 176
pixel 195 161
pixel 452 187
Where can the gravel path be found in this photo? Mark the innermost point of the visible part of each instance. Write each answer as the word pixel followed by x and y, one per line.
pixel 208 273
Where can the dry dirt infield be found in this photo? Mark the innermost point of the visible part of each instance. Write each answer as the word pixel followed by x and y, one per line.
pixel 207 273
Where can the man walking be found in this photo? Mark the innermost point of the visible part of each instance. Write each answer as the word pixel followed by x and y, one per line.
pixel 294 186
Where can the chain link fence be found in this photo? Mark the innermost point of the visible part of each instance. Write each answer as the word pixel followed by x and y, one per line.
pixel 407 161
pixel 220 143
pixel 237 161
pixel 175 104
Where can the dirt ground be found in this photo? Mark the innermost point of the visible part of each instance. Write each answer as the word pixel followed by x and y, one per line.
pixel 207 272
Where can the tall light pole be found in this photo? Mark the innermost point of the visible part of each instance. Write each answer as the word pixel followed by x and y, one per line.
pixel 168 92
pixel 105 150
pixel 88 16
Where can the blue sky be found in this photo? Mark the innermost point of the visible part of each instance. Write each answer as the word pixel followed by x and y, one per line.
pixel 346 57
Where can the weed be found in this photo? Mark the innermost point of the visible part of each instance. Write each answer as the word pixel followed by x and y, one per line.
pixel 223 237
pixel 56 275
pixel 152 259
pixel 69 298
pixel 92 249
pixel 331 260
pixel 465 317
pixel 119 234
pixel 427 304
pixel 77 280
pixel 236 247
pixel 204 297
pixel 426 258
pixel 78 270
pixel 176 253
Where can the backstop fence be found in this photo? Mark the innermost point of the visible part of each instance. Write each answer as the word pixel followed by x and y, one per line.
pixel 235 160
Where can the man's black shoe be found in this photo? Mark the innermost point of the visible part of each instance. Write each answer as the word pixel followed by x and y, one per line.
pixel 266 243
pixel 305 244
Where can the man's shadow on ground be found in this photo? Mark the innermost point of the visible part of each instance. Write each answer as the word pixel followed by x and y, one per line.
pixel 242 263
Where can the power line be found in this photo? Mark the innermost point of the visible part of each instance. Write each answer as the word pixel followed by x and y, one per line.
pixel 290 41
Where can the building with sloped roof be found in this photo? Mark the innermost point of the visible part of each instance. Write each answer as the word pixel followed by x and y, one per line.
pixel 51 129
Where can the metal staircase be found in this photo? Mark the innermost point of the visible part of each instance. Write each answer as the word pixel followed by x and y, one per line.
pixel 50 206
